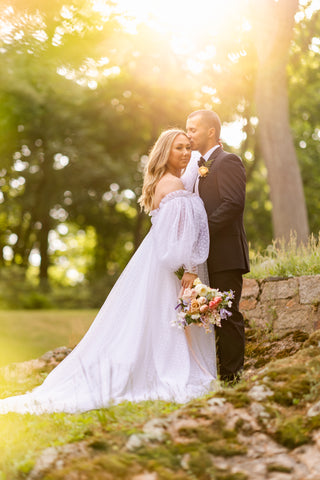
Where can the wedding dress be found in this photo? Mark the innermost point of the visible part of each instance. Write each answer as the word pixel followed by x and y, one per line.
pixel 131 352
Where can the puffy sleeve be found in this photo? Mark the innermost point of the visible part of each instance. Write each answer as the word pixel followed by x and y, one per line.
pixel 180 231
pixel 191 173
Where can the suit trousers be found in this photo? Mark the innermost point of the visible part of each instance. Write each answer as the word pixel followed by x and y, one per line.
pixel 230 337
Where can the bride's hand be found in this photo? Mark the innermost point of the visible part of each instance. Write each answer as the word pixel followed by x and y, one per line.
pixel 188 279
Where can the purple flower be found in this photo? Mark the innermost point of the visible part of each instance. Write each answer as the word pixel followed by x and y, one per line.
pixel 224 314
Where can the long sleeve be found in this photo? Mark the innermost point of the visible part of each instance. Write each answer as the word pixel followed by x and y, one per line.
pixel 191 173
pixel 180 231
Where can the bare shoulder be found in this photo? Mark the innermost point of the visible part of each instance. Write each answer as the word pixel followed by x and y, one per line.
pixel 168 183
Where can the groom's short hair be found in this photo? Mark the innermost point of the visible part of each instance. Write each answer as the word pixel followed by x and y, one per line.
pixel 210 118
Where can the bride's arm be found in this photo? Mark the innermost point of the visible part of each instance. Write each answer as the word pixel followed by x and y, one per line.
pixel 180 233
pixel 190 175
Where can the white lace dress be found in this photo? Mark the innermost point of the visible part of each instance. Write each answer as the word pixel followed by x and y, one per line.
pixel 131 352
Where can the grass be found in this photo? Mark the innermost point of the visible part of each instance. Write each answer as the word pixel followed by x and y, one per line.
pixel 24 437
pixel 104 433
pixel 286 259
pixel 27 334
pixel 294 379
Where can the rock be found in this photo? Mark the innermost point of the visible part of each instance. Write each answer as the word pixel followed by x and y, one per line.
pixel 279 475
pixel 56 355
pixel 309 456
pixel 260 445
pixel 280 289
pixel 185 461
pixel 314 410
pixel 309 289
pixel 248 304
pixel 255 469
pixel 218 406
pixel 181 424
pixel 248 422
pixel 216 402
pixel 284 304
pixel 56 457
pixel 22 369
pixel 135 441
pixel 282 460
pixel 44 463
pixel 259 317
pixel 259 411
pixel 316 438
pixel 259 392
pixel 155 429
pixel 315 318
pixel 145 476
pixel 28 368
pixel 293 317
pixel 250 288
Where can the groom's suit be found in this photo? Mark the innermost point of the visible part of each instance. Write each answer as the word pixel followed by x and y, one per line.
pixel 223 192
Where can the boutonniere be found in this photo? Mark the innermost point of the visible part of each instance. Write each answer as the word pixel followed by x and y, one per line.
pixel 204 166
pixel 203 171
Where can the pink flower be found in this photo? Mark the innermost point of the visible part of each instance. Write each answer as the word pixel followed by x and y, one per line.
pixel 214 303
pixel 204 308
pixel 187 294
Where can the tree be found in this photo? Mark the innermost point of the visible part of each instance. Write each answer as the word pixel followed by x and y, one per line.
pixel 68 143
pixel 304 87
pixel 273 24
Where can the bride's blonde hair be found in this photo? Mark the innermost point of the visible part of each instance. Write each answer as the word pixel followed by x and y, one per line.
pixel 156 166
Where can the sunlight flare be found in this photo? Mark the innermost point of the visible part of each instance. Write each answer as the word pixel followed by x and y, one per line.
pixel 177 16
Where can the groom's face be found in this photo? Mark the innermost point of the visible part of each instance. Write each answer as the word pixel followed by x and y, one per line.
pixel 199 134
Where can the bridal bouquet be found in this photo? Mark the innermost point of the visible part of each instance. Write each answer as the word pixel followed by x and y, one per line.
pixel 203 306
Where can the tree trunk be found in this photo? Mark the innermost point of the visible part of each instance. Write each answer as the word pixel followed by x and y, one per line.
pixel 43 250
pixel 138 230
pixel 273 30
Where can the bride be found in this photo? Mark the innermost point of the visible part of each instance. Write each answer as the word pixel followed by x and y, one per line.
pixel 131 352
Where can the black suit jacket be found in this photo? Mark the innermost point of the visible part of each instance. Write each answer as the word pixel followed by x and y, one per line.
pixel 223 192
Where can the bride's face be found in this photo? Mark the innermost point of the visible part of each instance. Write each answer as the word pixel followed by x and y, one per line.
pixel 180 154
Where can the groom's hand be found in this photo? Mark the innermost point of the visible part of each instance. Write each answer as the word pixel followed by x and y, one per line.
pixel 188 279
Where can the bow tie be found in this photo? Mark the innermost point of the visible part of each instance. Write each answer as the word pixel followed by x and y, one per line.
pixel 201 162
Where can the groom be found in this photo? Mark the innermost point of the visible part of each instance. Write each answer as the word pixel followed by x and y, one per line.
pixel 221 183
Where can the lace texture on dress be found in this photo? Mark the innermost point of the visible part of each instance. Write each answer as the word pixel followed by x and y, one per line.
pixel 180 231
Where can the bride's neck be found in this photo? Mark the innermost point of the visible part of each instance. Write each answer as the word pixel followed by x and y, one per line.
pixel 175 173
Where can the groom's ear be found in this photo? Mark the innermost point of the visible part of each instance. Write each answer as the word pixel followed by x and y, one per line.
pixel 212 132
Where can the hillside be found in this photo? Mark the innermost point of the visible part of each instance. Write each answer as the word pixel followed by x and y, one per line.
pixel 266 427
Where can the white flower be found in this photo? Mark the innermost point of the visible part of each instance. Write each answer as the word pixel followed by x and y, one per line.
pixel 201 289
pixel 216 292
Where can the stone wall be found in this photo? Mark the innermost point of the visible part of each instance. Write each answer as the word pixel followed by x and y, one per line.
pixel 282 304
